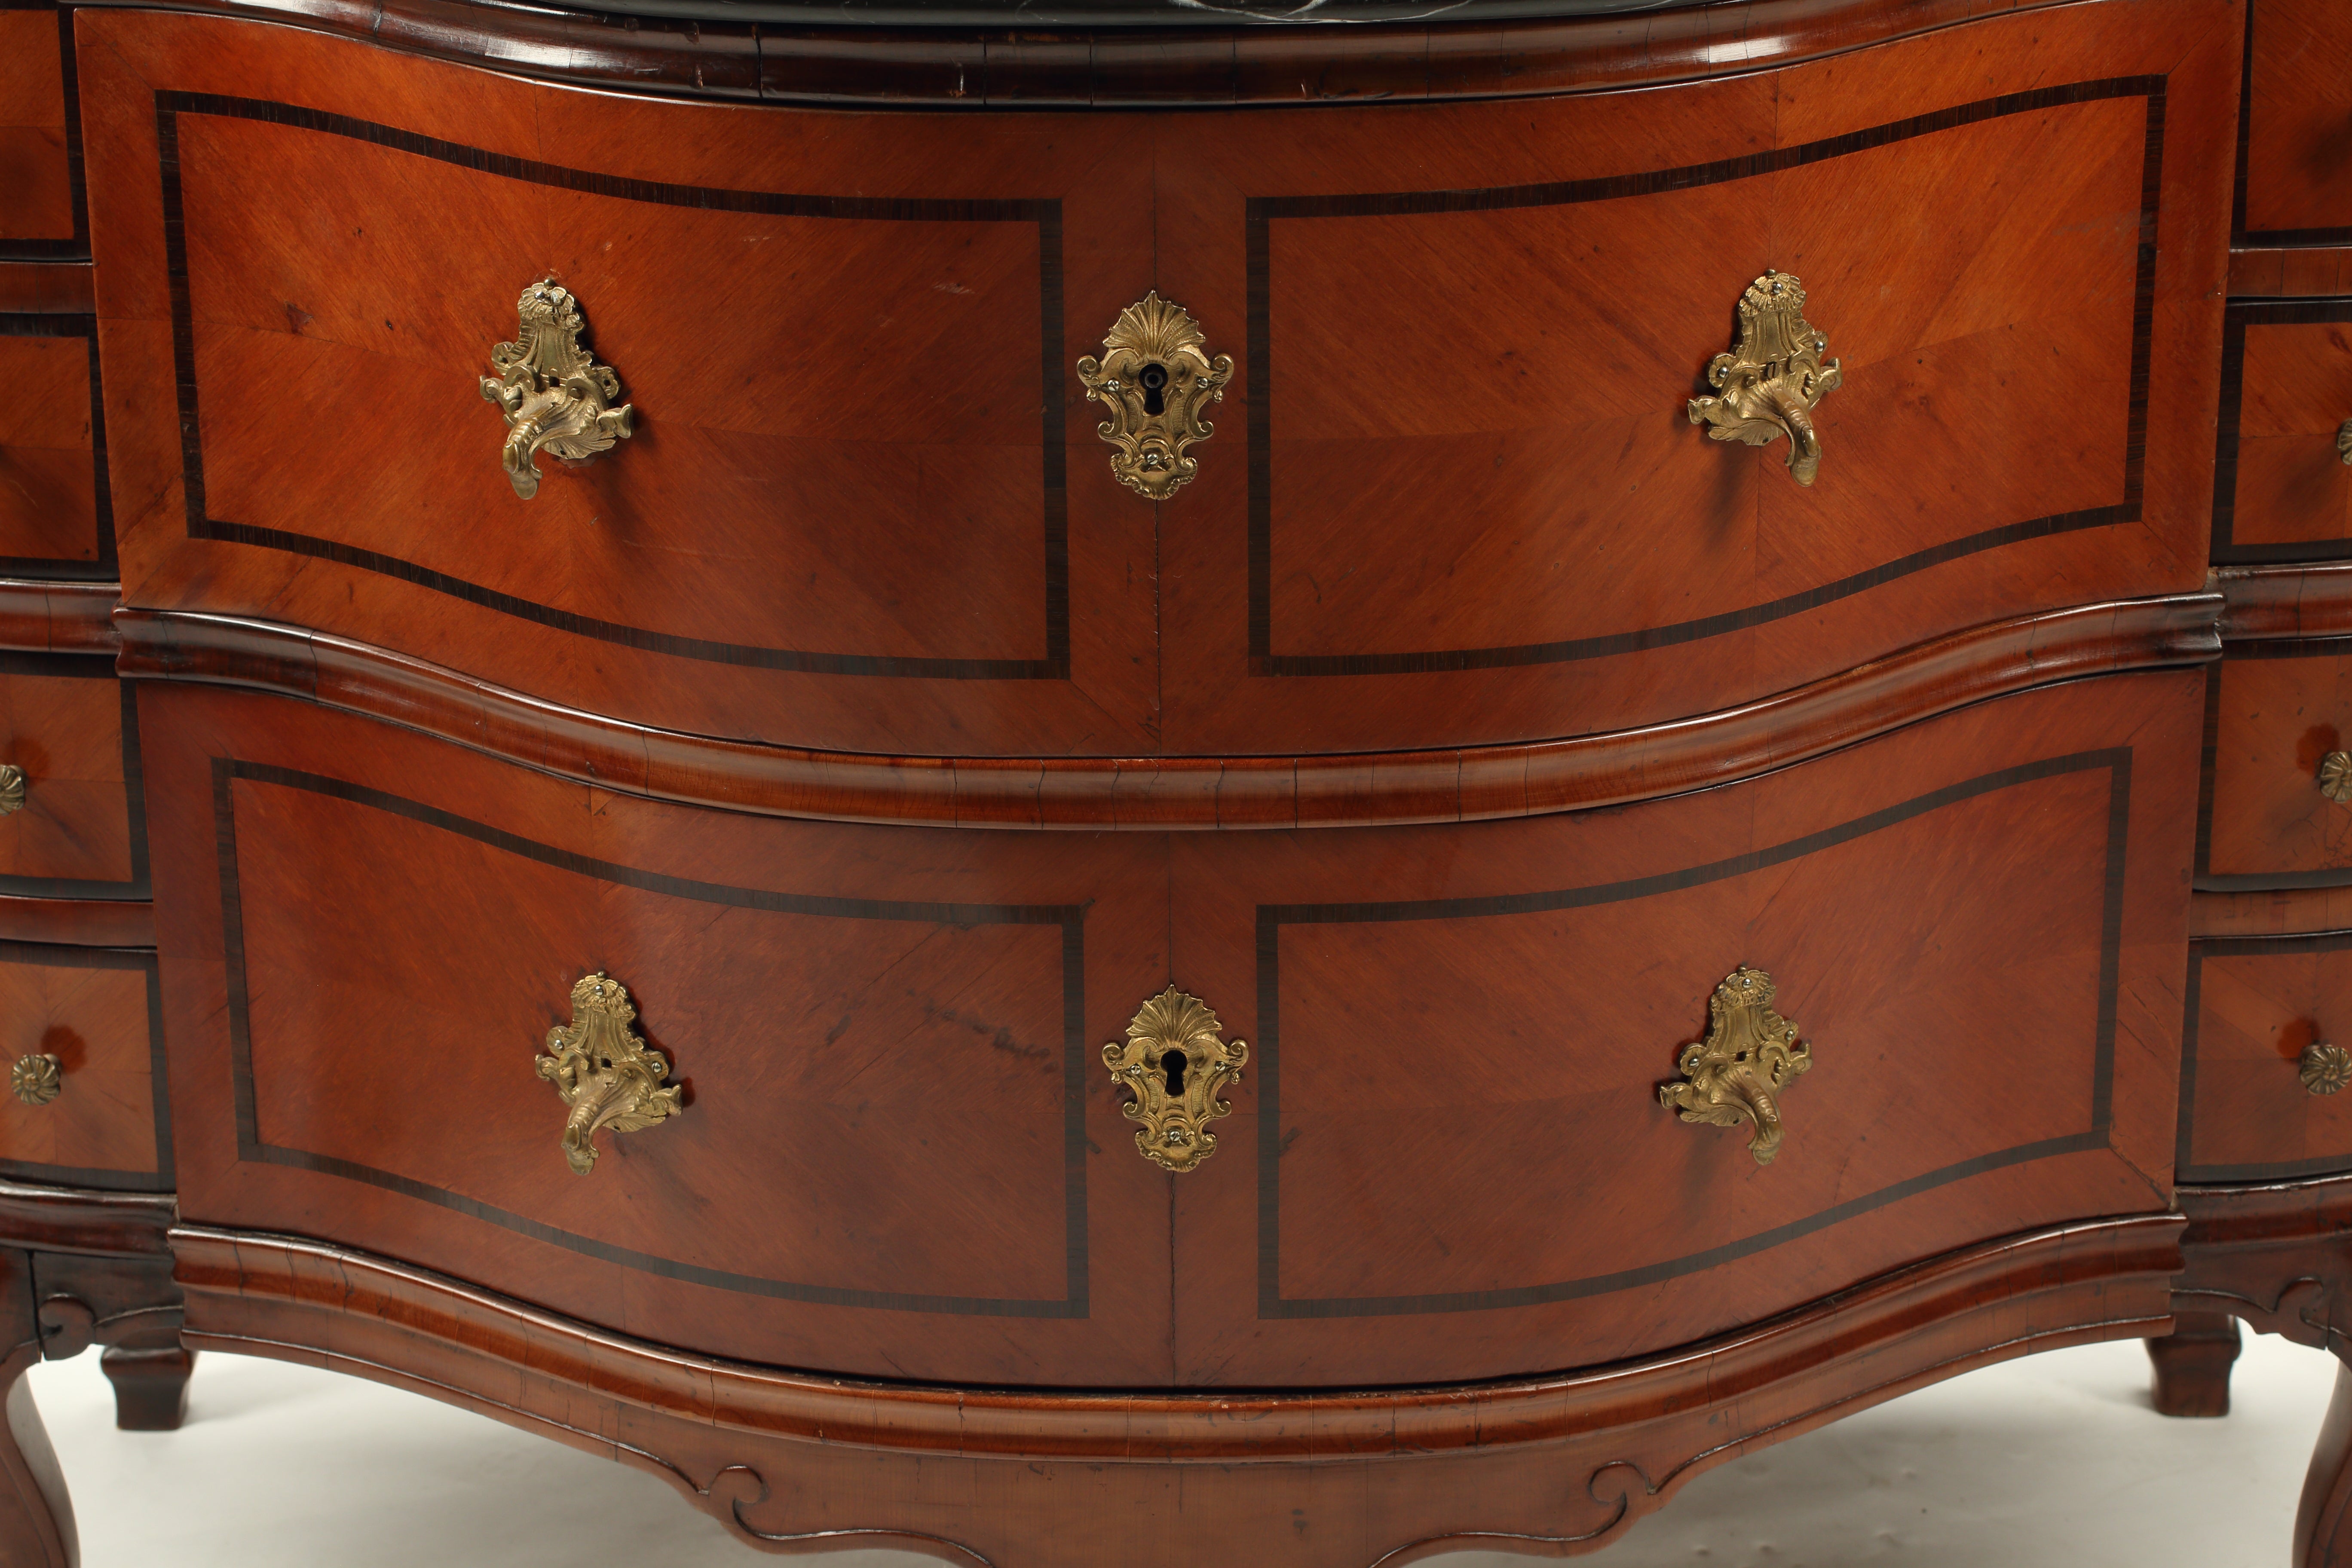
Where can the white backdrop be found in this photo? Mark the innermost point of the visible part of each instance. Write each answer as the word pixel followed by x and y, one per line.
pixel 2054 1461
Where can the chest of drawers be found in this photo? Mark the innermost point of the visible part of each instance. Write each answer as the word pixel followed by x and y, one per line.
pixel 947 778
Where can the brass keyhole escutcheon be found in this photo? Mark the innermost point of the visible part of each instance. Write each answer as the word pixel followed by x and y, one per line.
pixel 1173 1062
pixel 1155 377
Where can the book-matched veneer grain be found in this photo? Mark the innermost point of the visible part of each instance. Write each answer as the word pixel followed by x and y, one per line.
pixel 984 587
pixel 894 1033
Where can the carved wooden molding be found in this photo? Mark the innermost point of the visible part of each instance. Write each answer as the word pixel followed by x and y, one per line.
pixel 1162 794
pixel 2277 1254
pixel 772 1454
pixel 1113 67
pixel 103 1225
pixel 2283 603
pixel 57 618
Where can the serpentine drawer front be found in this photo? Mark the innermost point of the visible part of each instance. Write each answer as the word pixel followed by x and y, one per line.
pixel 55 513
pixel 897 1152
pixel 895 1038
pixel 847 488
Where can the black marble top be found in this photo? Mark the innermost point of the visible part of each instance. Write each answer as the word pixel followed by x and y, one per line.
pixel 1105 13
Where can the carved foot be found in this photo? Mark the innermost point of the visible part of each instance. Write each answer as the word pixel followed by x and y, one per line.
pixel 2192 1365
pixel 150 1387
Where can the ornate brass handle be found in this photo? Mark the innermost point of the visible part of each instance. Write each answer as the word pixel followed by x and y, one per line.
pixel 2343 442
pixel 12 788
pixel 2336 776
pixel 2325 1068
pixel 1739 1072
pixel 605 1074
pixel 36 1080
pixel 553 394
pixel 1174 1060
pixel 1155 377
pixel 1772 380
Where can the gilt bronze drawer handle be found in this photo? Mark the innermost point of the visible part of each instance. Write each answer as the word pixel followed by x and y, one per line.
pixel 605 1074
pixel 553 394
pixel 2336 776
pixel 1155 377
pixel 2343 442
pixel 1739 1072
pixel 12 788
pixel 1772 380
pixel 1174 1060
pixel 2325 1068
pixel 36 1080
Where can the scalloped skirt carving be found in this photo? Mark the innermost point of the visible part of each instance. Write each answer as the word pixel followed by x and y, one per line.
pixel 795 1463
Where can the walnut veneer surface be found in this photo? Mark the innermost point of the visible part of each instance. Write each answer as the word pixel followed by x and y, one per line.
pixel 1463 721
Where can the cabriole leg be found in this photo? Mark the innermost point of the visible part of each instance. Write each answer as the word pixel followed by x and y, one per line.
pixel 2321 1537
pixel 2192 1364
pixel 37 1523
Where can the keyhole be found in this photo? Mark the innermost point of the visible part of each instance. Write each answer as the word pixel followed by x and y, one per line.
pixel 1174 1062
pixel 1153 378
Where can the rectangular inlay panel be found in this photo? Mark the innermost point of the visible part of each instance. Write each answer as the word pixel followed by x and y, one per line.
pixel 99 1012
pixel 830 392
pixel 2281 490
pixel 57 518
pixel 73 729
pixel 1439 480
pixel 38 205
pixel 1967 1025
pixel 2254 1004
pixel 2274 712
pixel 2294 139
pixel 884 1045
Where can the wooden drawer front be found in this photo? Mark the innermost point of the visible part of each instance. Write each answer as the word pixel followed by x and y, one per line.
pixel 1476 507
pixel 2255 1004
pixel 2282 490
pixel 2295 179
pixel 1462 1168
pixel 56 517
pixel 99 1011
pixel 71 727
pixel 38 216
pixel 899 1154
pixel 2275 711
pixel 852 387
